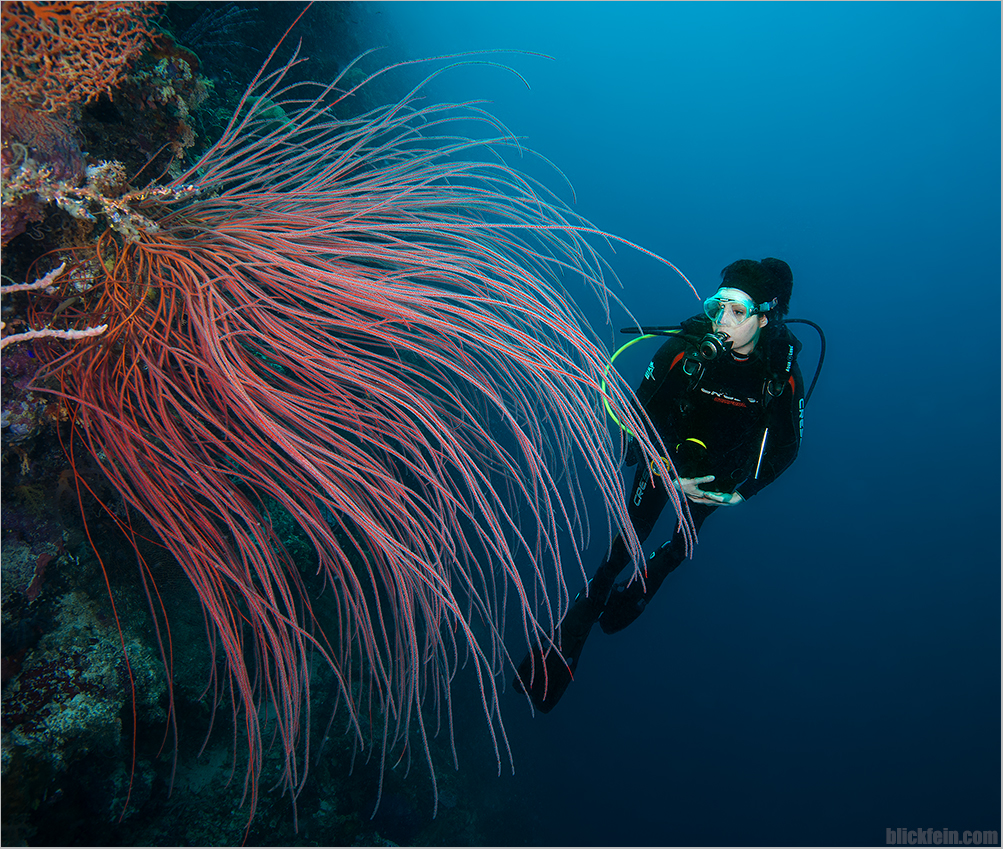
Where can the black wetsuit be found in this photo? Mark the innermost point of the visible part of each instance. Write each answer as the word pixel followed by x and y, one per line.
pixel 712 421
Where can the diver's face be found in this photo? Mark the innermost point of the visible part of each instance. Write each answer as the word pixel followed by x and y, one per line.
pixel 741 328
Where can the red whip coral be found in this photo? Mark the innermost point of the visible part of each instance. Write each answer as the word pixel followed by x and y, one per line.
pixel 358 328
pixel 59 53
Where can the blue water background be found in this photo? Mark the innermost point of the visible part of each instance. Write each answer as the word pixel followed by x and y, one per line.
pixel 828 666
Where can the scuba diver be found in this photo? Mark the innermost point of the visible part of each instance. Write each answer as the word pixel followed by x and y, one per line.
pixel 726 395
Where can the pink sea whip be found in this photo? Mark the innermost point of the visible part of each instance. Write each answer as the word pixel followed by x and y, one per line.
pixel 362 324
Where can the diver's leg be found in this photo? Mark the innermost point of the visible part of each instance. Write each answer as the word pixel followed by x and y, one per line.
pixel 647 499
pixel 544 674
pixel 628 599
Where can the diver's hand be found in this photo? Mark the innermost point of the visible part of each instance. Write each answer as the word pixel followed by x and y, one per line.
pixel 691 489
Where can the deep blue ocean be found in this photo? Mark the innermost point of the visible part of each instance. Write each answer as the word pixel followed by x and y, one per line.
pixel 825 671
pixel 828 665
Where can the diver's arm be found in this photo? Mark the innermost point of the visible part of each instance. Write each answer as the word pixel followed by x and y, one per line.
pixel 656 392
pixel 784 437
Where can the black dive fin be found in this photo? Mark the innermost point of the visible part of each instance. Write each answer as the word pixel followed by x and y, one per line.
pixel 544 680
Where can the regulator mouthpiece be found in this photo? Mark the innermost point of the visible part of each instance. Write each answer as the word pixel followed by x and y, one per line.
pixel 713 345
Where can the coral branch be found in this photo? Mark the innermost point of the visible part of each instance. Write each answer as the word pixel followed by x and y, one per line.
pixel 46 332
pixel 54 334
pixel 41 283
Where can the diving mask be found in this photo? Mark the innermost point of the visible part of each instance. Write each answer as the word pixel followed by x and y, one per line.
pixel 732 307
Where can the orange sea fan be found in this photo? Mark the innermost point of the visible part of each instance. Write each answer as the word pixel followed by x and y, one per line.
pixel 56 54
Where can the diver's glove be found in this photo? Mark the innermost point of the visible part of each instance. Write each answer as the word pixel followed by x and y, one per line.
pixel 690 487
